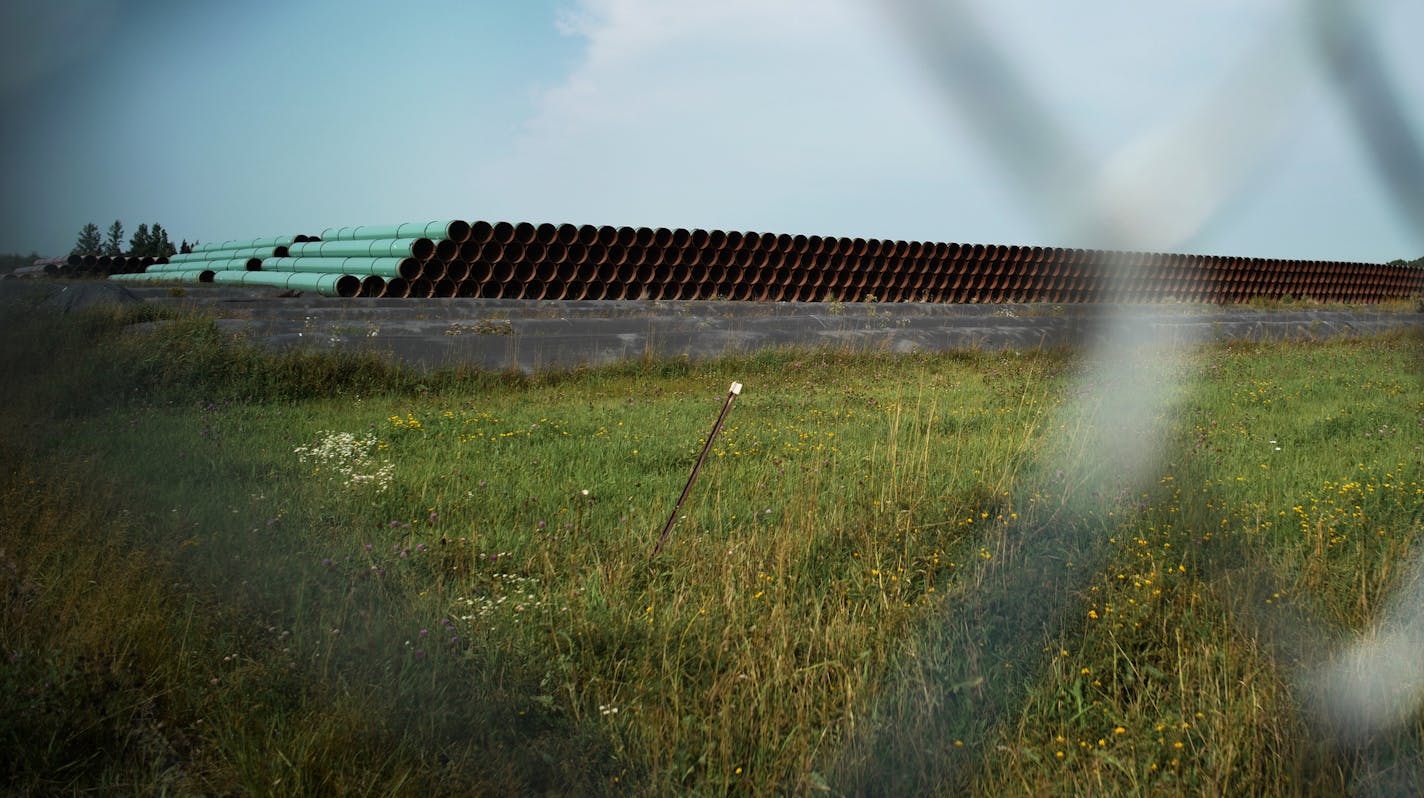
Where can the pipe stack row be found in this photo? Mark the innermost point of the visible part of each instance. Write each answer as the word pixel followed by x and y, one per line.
pixel 96 265
pixel 586 262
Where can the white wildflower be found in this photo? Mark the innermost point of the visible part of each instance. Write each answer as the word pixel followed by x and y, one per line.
pixel 350 457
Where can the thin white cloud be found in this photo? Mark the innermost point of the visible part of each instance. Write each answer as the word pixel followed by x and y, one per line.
pixel 774 114
pixel 819 116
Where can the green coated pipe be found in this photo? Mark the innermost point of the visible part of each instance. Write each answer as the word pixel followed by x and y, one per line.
pixel 244 243
pixel 419 248
pixel 184 276
pixel 455 230
pixel 342 285
pixel 279 251
pixel 230 277
pixel 233 264
pixel 408 268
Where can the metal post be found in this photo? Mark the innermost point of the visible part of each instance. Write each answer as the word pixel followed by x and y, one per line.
pixel 672 519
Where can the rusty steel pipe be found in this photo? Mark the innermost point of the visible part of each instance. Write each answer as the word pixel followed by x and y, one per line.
pixel 372 285
pixel 479 271
pixel 457 270
pixel 445 249
pixel 431 270
pixel 394 288
pixel 718 262
pixel 514 252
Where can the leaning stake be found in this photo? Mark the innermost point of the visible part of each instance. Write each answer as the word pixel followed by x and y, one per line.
pixel 672 519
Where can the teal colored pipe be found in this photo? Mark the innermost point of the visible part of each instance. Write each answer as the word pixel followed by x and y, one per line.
pixel 229 254
pixel 454 230
pixel 230 277
pixel 185 276
pixel 419 248
pixel 408 268
pixel 233 264
pixel 244 243
pixel 342 285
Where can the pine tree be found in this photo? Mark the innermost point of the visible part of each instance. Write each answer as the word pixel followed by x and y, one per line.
pixel 161 246
pixel 89 241
pixel 114 244
pixel 184 247
pixel 141 242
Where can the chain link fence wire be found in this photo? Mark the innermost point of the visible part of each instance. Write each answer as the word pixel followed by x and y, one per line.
pixel 974 665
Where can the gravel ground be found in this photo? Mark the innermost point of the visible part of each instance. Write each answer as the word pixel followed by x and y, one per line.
pixel 533 335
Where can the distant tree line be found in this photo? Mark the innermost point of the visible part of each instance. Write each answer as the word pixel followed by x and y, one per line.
pixel 12 261
pixel 146 241
pixel 1417 263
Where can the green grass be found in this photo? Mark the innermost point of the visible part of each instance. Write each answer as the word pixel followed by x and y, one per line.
pixel 880 581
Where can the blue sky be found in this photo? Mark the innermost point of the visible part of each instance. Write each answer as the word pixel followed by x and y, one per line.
pixel 226 120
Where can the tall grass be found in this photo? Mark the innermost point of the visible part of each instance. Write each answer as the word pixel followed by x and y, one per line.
pixel 482 613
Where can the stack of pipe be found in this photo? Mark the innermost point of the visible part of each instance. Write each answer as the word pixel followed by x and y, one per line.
pixel 207 260
pixel 97 265
pixel 582 262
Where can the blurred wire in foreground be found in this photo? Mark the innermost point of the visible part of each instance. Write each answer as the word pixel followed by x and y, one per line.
pixel 973 665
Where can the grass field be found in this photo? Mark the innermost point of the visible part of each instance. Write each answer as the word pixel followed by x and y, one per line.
pixel 232 572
